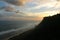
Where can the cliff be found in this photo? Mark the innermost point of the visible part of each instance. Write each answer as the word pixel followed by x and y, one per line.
pixel 48 29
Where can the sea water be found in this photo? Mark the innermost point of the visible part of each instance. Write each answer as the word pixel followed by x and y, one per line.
pixel 11 28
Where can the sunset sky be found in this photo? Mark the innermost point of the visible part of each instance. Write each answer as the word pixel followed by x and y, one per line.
pixel 28 9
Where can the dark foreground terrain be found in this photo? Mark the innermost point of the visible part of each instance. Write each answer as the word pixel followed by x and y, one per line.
pixel 48 29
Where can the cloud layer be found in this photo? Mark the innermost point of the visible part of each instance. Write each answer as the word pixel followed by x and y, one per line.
pixel 9 9
pixel 45 5
pixel 16 2
pixel 15 8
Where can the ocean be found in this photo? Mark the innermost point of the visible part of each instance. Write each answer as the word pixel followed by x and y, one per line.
pixel 11 28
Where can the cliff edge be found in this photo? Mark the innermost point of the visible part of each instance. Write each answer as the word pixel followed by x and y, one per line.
pixel 48 29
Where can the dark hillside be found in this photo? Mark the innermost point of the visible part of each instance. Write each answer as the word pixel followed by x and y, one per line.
pixel 48 29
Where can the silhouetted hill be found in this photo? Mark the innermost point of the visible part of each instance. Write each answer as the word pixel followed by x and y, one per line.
pixel 48 29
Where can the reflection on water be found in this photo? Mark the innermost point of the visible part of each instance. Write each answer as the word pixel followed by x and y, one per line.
pixel 9 28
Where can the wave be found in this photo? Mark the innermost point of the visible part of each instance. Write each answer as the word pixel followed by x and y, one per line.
pixel 25 27
pixel 4 32
pixel 15 30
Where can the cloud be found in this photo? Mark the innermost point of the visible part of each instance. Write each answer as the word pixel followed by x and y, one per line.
pixel 43 1
pixel 16 16
pixel 58 0
pixel 9 9
pixel 5 6
pixel 2 8
pixel 1 15
pixel 41 5
pixel 45 5
pixel 2 5
pixel 16 2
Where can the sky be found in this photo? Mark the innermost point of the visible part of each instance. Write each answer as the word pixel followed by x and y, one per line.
pixel 28 9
